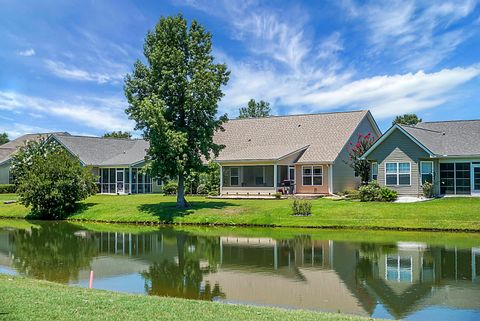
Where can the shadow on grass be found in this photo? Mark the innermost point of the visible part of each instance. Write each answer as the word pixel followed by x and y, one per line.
pixel 167 211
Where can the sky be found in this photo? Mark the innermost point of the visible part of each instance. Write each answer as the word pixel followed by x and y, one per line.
pixel 62 63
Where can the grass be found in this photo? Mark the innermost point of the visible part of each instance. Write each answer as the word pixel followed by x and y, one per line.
pixel 27 299
pixel 441 214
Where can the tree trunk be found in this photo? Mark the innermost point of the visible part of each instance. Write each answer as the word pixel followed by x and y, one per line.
pixel 181 202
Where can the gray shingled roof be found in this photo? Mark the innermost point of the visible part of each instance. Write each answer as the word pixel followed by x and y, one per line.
pixel 272 138
pixel 452 138
pixel 98 151
pixel 8 149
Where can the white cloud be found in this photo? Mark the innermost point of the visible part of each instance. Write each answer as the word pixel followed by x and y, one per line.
pixel 419 34
pixel 72 73
pixel 99 113
pixel 27 53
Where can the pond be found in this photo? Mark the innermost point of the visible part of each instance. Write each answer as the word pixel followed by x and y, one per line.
pixel 413 276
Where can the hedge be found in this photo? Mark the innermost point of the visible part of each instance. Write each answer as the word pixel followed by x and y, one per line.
pixel 7 188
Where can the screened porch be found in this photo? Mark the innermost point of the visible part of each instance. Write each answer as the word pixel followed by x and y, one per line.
pixel 124 180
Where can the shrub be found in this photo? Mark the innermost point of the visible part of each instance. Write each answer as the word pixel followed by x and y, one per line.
pixel 7 188
pixel 50 180
pixel 278 195
pixel 427 188
pixel 370 192
pixel 388 195
pixel 213 193
pixel 212 179
pixel 201 189
pixel 301 207
pixel 170 188
pixel 373 192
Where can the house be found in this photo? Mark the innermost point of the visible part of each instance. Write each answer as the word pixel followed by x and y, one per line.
pixel 8 149
pixel 445 153
pixel 306 152
pixel 116 161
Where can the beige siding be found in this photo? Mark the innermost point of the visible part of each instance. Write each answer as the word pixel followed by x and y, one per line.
pixel 316 189
pixel 343 175
pixel 399 148
pixel 4 173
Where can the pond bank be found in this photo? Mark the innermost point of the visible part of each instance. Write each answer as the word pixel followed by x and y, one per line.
pixel 50 301
pixel 448 214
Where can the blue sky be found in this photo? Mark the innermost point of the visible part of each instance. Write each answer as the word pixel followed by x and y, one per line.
pixel 62 63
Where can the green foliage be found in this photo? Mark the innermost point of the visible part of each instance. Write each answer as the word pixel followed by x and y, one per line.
pixel 50 180
pixel 302 207
pixel 7 188
pixel 427 188
pixel 4 138
pixel 388 195
pixel 278 195
pixel 170 188
pixel 174 98
pixel 202 189
pixel 118 134
pixel 254 109
pixel 406 119
pixel 356 151
pixel 212 178
pixel 373 192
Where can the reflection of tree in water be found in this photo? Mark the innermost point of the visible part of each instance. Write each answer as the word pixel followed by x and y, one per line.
pixel 52 252
pixel 184 279
pixel 369 256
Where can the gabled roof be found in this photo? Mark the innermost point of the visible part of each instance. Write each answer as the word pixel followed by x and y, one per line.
pixel 98 151
pixel 321 136
pixel 8 149
pixel 440 139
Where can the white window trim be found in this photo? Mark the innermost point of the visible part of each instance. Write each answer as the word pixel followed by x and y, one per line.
pixel 374 163
pixel 398 174
pixel 237 176
pixel 422 173
pixel 312 174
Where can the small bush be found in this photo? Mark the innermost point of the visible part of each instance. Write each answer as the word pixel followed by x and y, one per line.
pixel 278 195
pixel 302 207
pixel 388 195
pixel 427 188
pixel 170 188
pixel 202 189
pixel 213 193
pixel 373 192
pixel 7 188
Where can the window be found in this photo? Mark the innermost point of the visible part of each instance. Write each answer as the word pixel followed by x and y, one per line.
pixel 398 268
pixel 312 175
pixel 397 174
pixel 234 176
pixel 462 178
pixel 426 171
pixel 374 171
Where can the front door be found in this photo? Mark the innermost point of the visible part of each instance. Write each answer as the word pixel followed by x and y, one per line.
pixel 476 179
pixel 120 181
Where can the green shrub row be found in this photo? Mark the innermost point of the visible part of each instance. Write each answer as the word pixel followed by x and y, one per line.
pixel 374 192
pixel 7 188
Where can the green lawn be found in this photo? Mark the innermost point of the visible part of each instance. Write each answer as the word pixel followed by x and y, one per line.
pixel 441 214
pixel 27 299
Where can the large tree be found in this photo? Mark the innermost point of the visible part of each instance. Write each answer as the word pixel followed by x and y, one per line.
pixel 4 138
pixel 254 109
pixel 118 134
pixel 173 99
pixel 406 119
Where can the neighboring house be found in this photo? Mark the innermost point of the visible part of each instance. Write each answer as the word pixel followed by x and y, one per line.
pixel 116 161
pixel 306 151
pixel 7 150
pixel 445 153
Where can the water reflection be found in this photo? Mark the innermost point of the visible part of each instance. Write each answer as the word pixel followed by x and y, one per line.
pixel 393 279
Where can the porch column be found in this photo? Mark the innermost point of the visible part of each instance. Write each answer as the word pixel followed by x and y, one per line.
pixel 275 178
pixel 130 179
pixel 221 179
pixel 330 178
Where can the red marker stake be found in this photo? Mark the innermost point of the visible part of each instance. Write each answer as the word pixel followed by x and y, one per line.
pixel 91 279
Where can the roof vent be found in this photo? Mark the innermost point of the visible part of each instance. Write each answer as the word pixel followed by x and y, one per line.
pixel 299 125
pixel 443 133
pixel 124 151
pixel 249 139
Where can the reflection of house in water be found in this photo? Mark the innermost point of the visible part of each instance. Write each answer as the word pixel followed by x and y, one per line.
pixel 297 272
